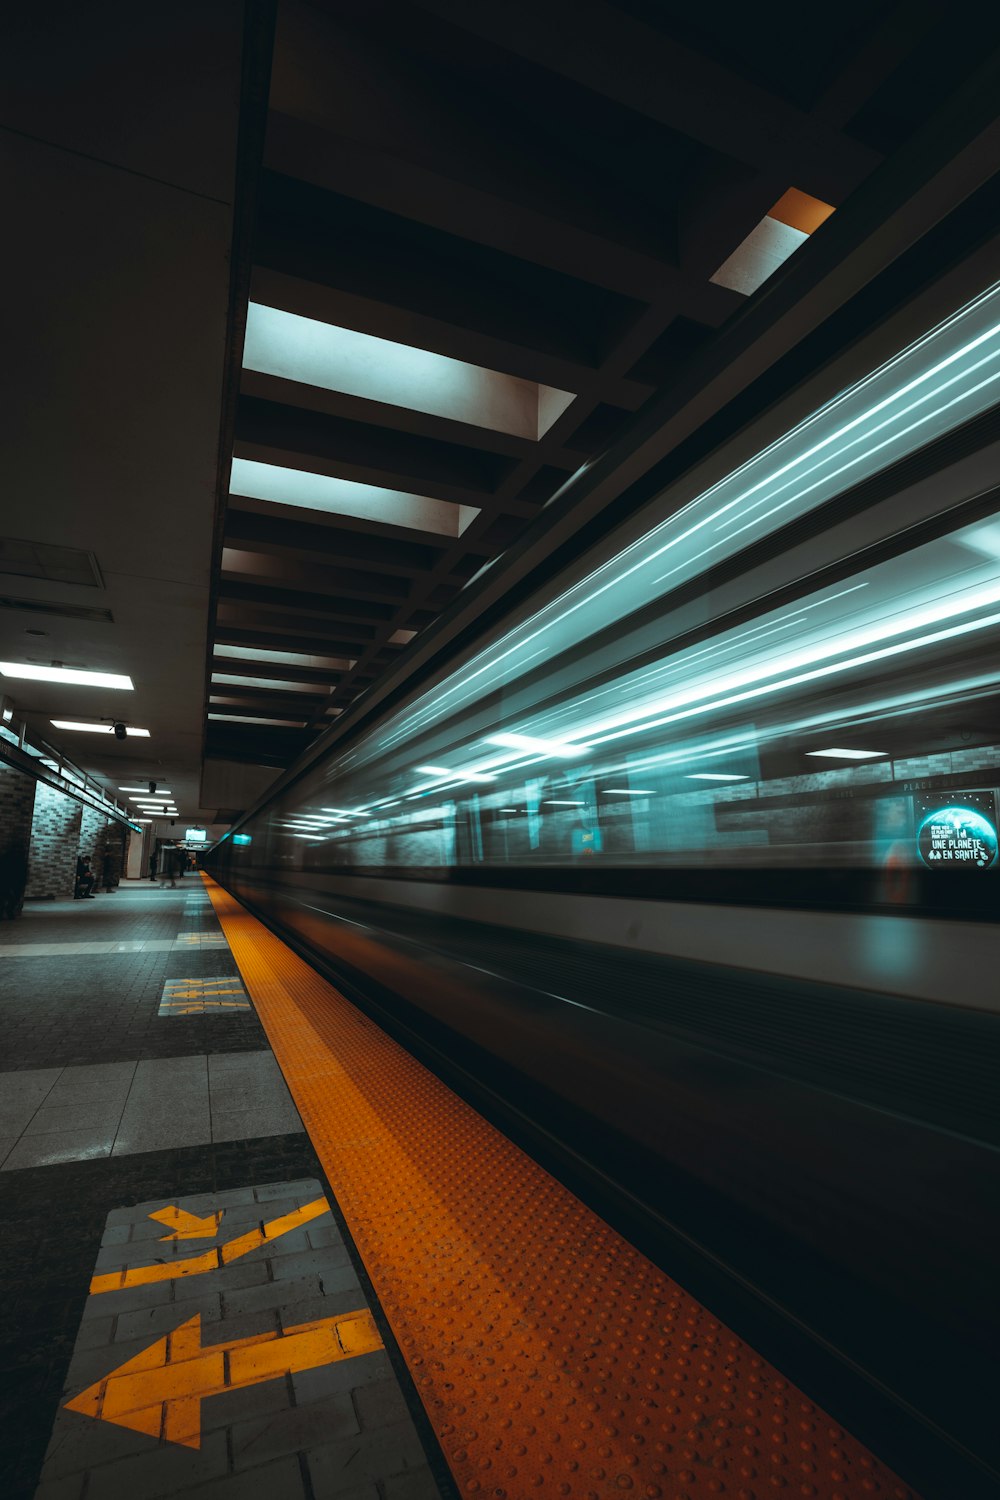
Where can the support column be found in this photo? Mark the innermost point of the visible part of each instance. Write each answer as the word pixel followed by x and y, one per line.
pixel 17 801
pixel 55 843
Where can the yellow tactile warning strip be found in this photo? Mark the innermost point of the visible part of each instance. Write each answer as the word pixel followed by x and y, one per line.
pixel 551 1356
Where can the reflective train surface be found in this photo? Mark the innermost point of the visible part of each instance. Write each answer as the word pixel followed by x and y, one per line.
pixel 684 867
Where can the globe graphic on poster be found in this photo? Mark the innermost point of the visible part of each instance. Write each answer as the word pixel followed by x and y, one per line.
pixel 956 836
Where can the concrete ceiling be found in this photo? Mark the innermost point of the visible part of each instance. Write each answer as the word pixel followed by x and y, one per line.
pixel 543 194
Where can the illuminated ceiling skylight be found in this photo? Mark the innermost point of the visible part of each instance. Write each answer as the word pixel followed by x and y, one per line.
pixel 252 719
pixel 99 728
pixel 66 674
pixel 359 364
pixel 231 680
pixel 285 658
pixel 348 497
pixel 778 235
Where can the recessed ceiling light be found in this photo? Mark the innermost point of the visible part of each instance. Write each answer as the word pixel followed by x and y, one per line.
pixel 65 674
pixel 539 746
pixel 286 658
pixel 331 358
pixel 714 776
pixel 234 679
pixel 252 719
pixel 838 754
pixel 98 728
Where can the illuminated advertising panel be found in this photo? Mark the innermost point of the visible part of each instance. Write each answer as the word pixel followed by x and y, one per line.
pixel 957 830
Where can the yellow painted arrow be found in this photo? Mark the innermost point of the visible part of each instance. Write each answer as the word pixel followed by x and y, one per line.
pixel 185 1226
pixel 209 1260
pixel 160 1391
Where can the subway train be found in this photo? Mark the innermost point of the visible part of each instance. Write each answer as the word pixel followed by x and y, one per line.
pixel 682 864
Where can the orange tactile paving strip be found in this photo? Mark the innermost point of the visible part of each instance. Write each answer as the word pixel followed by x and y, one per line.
pixel 551 1356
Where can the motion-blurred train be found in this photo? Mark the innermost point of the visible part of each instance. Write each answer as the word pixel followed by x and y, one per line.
pixel 682 863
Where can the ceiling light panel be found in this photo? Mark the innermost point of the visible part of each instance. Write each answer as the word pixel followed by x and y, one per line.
pixel 230 679
pixel 835 754
pixel 71 675
pixel 253 719
pixel 359 364
pixel 348 497
pixel 130 729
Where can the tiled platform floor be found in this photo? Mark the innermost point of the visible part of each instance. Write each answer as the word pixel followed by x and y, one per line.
pixel 110 1110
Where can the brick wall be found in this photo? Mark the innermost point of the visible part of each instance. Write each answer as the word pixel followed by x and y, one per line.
pixel 17 800
pixel 55 839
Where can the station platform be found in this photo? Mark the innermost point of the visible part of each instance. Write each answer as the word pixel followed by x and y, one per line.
pixel 255 1248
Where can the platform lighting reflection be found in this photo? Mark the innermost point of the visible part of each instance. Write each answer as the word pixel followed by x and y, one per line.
pixel 835 754
pixel 625 791
pixel 73 675
pixel 929 388
pixel 443 771
pixel 537 745
pixel 130 730
pixel 744 686
pixel 714 776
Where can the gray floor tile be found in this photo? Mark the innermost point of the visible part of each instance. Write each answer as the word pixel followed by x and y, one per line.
pixel 269 1119
pixel 47 1150
pixel 90 1114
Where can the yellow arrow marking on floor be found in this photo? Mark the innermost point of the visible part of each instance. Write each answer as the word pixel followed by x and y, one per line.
pixel 160 1391
pixel 185 1226
pixel 210 1260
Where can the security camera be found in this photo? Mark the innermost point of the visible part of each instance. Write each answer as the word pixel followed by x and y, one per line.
pixel 152 788
pixel 120 731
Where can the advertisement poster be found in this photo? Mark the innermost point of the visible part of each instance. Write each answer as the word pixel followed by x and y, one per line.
pixel 957 830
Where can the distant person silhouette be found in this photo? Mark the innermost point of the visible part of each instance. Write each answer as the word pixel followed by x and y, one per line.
pixel 84 879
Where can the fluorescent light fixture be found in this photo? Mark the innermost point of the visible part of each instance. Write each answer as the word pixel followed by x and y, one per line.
pixel 66 674
pixel 624 791
pixel 233 680
pixel 536 746
pixel 149 796
pixel 714 776
pixel 558 802
pixel 285 658
pixel 133 733
pixel 508 809
pixel 253 719
pixel 375 369
pixel 454 775
pixel 837 754
pixel 348 497
pixel 143 789
pixel 140 820
pixel 345 812
pixel 314 836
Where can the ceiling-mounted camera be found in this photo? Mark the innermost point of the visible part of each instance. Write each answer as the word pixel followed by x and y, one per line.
pixel 152 788
pixel 120 730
